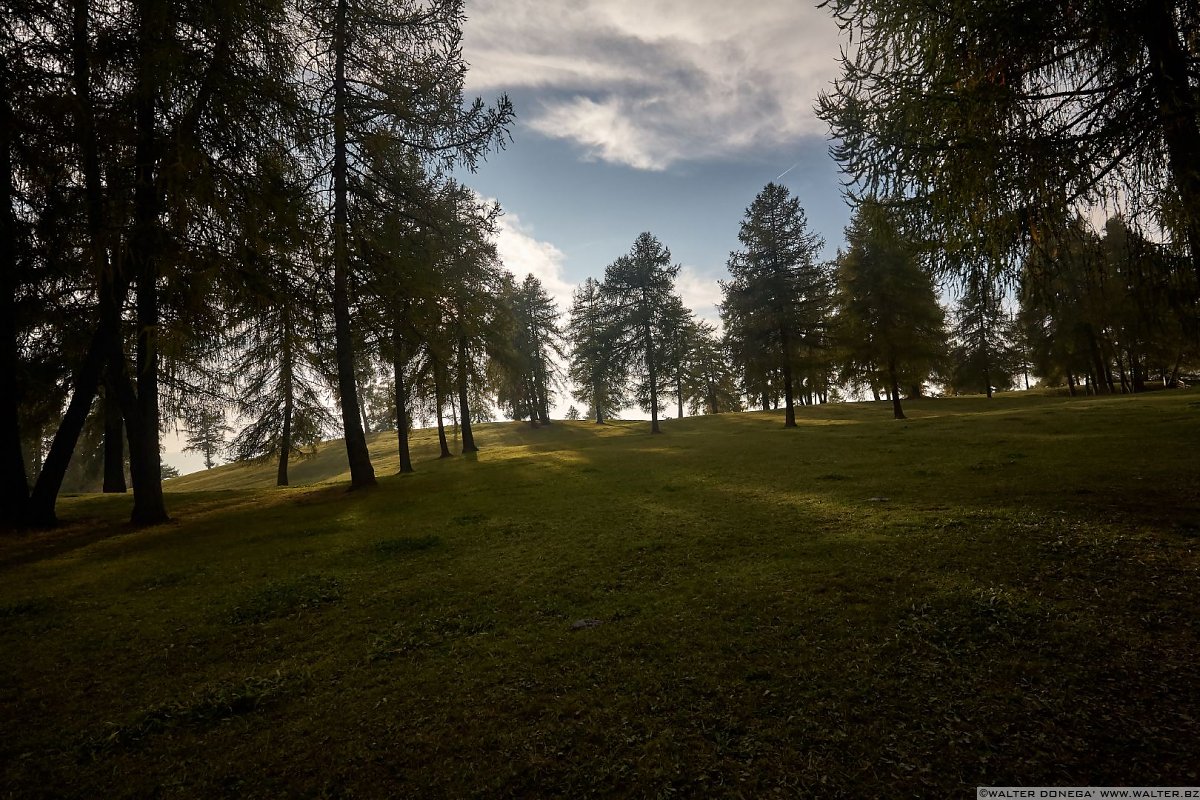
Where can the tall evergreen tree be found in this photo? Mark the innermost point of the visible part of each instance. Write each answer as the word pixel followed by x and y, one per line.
pixel 594 368
pixel 396 70
pixel 982 355
pixel 638 290
pixel 889 319
pixel 778 295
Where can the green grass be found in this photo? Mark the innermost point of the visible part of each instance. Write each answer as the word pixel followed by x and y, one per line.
pixel 989 593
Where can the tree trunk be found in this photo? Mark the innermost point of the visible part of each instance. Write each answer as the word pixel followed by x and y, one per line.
pixel 464 405
pixel 14 485
pixel 145 467
pixel 596 404
pixel 648 343
pixel 361 472
pixel 897 411
pixel 398 360
pixel 286 367
pixel 114 445
pixel 1071 384
pixel 679 389
pixel 40 513
pixel 789 413
pixel 437 396
pixel 1178 111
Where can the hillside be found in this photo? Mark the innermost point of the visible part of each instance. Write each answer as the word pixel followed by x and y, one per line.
pixel 990 593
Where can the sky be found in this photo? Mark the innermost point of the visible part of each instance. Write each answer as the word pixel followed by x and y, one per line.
pixel 666 116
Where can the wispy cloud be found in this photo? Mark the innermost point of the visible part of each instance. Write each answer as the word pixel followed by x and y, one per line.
pixel 649 83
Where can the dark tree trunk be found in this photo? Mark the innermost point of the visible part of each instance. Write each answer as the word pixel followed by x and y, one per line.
pixel 145 468
pixel 40 513
pixel 679 389
pixel 1178 111
pixel 14 484
pixel 648 343
pixel 766 400
pixel 438 398
pixel 596 403
pixel 361 472
pixel 398 360
pixel 286 369
pixel 114 444
pixel 1071 384
pixel 789 413
pixel 464 404
pixel 897 411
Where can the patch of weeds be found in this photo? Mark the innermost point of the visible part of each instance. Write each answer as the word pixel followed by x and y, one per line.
pixel 205 708
pixel 23 609
pixel 285 598
pixel 469 519
pixel 404 544
pixel 428 633
pixel 833 476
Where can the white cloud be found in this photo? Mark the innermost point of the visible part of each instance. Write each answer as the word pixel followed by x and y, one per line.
pixel 648 83
pixel 700 292
pixel 523 254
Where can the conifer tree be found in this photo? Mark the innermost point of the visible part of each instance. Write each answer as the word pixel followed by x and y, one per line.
pixel 594 368
pixel 638 291
pixel 890 324
pixel 778 297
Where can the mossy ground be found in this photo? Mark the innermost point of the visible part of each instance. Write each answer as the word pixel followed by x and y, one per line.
pixel 991 593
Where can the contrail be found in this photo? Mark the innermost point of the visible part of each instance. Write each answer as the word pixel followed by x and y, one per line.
pixel 786 171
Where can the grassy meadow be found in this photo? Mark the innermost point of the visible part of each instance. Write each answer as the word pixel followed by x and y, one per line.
pixel 996 592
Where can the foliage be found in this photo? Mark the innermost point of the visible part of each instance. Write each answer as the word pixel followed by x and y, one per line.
pixel 993 117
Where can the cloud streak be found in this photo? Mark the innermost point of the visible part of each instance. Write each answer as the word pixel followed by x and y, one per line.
pixel 651 83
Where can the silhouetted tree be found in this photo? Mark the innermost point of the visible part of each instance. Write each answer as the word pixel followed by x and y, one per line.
pixel 889 320
pixel 778 297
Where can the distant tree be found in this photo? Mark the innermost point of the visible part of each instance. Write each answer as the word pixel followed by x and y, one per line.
pixel 206 430
pixel 779 294
pixel 890 324
pixel 538 343
pixel 637 292
pixel 594 368
pixel 573 413
pixel 167 471
pixel 710 382
pixel 982 354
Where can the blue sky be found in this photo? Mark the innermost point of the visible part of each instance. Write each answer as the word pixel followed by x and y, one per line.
pixel 659 115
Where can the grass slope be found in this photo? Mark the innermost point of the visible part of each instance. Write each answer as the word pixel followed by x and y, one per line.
pixel 998 593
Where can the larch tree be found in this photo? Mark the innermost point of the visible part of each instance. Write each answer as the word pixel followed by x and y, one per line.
pixel 778 294
pixel 594 368
pixel 888 316
pixel 394 70
pixel 638 290
pixel 991 115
